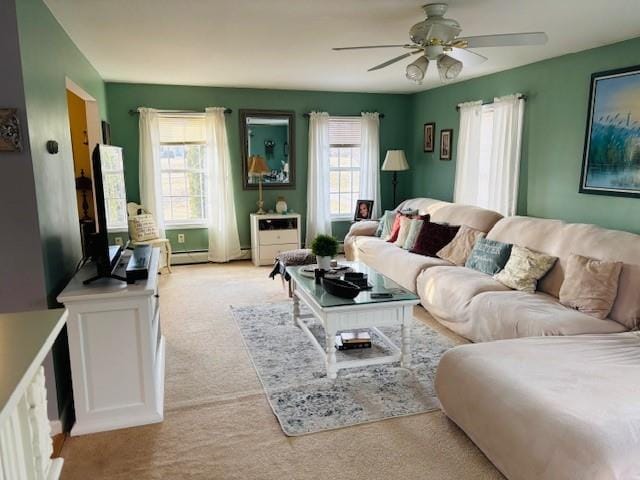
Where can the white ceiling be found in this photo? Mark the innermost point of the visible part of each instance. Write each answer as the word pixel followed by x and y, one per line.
pixel 287 44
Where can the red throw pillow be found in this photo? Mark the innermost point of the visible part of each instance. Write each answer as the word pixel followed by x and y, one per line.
pixel 395 229
pixel 433 237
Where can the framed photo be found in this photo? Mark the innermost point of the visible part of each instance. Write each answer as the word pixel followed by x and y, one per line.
pixel 446 138
pixel 429 137
pixel 364 210
pixel 611 160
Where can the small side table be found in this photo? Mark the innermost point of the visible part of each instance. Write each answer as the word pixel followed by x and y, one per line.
pixel 272 234
pixel 163 244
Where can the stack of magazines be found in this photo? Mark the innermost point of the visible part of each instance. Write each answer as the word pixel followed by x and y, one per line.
pixel 351 340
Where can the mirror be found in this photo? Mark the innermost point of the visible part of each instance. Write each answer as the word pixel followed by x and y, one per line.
pixel 269 134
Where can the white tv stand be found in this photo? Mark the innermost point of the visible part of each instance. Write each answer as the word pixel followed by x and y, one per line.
pixel 117 350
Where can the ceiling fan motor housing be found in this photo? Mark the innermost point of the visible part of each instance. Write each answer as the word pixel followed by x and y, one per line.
pixel 435 29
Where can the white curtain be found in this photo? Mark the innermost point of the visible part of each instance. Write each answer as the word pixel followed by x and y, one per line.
pixel 504 170
pixel 224 242
pixel 149 134
pixel 466 189
pixel 370 160
pixel 318 213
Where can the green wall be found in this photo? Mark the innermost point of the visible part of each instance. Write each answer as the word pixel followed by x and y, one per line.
pixel 49 56
pixel 553 138
pixel 124 131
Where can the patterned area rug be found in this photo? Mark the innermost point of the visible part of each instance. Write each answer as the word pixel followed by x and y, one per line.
pixel 302 397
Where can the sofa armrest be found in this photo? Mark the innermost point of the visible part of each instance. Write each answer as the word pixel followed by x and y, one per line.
pixel 363 228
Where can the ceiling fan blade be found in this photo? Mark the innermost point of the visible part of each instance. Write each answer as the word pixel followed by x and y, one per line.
pixel 467 57
pixel 502 40
pixel 406 45
pixel 393 60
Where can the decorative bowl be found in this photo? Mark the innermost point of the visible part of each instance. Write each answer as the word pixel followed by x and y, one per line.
pixel 340 288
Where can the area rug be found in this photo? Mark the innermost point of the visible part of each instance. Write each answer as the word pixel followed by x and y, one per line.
pixel 305 401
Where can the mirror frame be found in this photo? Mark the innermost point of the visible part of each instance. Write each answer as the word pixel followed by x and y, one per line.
pixel 244 145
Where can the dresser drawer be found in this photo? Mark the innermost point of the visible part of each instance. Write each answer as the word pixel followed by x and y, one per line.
pixel 278 237
pixel 268 253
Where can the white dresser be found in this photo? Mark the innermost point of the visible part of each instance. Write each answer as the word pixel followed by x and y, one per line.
pixel 272 234
pixel 117 351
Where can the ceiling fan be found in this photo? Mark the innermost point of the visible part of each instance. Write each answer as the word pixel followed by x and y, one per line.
pixel 436 39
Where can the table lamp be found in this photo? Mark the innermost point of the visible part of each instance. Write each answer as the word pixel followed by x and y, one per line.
pixel 257 168
pixel 395 162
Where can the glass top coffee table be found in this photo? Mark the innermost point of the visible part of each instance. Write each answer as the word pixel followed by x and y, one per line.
pixel 363 312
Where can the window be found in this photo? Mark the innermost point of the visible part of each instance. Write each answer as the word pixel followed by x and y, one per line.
pixel 183 169
pixel 344 165
pixel 114 191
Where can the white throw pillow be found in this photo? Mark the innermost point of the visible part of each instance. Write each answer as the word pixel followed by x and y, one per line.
pixel 405 223
pixel 143 228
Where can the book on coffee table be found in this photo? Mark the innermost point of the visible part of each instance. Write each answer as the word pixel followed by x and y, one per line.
pixel 340 345
pixel 361 336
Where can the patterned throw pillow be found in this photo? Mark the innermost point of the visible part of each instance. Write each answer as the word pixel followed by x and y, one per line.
pixel 433 237
pixel 386 222
pixel 524 268
pixel 405 224
pixel 489 256
pixel 459 249
pixel 590 285
pixel 143 228
pixel 414 230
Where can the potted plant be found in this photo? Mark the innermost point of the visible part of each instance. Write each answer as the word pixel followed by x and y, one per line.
pixel 324 247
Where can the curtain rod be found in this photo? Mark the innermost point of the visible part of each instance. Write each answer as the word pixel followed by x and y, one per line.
pixel 520 97
pixel 306 115
pixel 135 111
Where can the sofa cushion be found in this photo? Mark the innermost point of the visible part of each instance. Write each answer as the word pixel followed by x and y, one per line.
pixel 488 256
pixel 433 237
pixel 454 213
pixel 385 224
pixel 561 239
pixel 590 285
pixel 524 268
pixel 560 408
pixel 447 291
pixel 513 314
pixel 458 250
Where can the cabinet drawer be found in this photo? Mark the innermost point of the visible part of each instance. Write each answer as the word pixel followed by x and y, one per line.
pixel 278 237
pixel 268 253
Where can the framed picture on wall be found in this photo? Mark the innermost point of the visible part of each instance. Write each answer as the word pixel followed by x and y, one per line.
pixel 611 159
pixel 364 210
pixel 429 137
pixel 446 138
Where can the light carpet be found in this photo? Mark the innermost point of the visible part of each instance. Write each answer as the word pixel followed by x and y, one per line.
pixel 218 424
pixel 301 396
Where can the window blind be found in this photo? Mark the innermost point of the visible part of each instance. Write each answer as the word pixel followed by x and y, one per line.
pixel 344 131
pixel 182 129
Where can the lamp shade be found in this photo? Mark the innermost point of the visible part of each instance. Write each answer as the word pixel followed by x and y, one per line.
pixel 395 161
pixel 257 165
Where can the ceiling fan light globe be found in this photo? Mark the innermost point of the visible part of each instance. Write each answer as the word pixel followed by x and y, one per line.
pixel 416 70
pixel 448 68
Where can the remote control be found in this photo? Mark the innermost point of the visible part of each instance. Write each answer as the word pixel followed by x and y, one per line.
pixel 381 295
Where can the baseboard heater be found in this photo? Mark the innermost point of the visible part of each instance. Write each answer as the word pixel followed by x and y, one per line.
pixel 201 256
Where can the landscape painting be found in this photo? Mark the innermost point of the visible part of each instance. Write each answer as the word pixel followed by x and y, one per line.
pixel 611 164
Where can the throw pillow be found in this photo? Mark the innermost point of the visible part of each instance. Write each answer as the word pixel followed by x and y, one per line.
pixel 488 256
pixel 409 212
pixel 590 285
pixel 395 229
pixel 433 237
pixel 143 228
pixel 524 268
pixel 414 230
pixel 403 231
pixel 459 249
pixel 385 224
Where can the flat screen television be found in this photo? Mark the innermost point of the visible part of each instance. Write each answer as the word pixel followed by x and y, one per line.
pixel 103 255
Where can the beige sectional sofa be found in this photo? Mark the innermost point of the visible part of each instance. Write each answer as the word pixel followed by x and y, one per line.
pixel 480 308
pixel 557 404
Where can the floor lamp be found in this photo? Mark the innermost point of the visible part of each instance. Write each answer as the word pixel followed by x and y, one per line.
pixel 395 162
pixel 257 168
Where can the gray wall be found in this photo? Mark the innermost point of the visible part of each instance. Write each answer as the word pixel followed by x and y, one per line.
pixel 22 279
